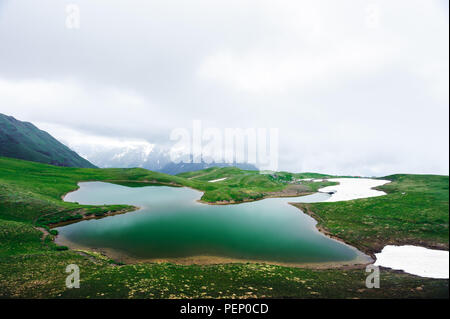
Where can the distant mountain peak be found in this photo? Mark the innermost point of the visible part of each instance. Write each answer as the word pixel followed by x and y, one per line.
pixel 140 153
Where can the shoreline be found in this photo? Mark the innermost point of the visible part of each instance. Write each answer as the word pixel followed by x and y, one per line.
pixel 371 251
pixel 131 208
pixel 232 202
pixel 365 255
pixel 207 260
pixel 325 231
pixel 359 262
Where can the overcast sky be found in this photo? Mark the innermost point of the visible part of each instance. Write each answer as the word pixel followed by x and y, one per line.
pixel 355 87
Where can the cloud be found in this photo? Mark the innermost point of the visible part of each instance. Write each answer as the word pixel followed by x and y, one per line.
pixel 75 138
pixel 354 87
pixel 110 111
pixel 281 71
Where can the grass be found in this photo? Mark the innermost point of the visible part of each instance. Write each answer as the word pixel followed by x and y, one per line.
pixel 31 192
pixel 242 185
pixel 25 141
pixel 19 238
pixel 42 275
pixel 414 211
pixel 33 266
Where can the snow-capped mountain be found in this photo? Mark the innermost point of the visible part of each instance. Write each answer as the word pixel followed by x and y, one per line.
pixel 141 154
pixel 131 154
pixel 105 151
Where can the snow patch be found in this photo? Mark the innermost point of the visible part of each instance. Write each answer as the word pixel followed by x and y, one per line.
pixel 218 180
pixel 353 188
pixel 415 260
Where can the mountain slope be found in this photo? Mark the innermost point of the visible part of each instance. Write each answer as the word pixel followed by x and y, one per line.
pixel 23 140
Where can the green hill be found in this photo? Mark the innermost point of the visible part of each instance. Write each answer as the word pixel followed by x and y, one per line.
pixel 414 212
pixel 25 141
pixel 32 191
pixel 32 265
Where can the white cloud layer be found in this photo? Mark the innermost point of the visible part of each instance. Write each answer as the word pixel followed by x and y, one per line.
pixel 354 87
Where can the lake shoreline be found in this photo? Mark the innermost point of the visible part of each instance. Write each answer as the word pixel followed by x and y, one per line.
pixel 129 209
pixel 359 262
pixel 325 231
pixel 371 251
pixel 206 260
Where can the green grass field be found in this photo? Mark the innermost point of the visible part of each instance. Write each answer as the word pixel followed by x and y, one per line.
pixel 31 192
pixel 414 211
pixel 33 266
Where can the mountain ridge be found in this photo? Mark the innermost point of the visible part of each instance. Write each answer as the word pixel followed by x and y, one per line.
pixel 145 155
pixel 23 140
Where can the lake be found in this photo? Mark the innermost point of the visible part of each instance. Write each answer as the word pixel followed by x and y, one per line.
pixel 172 226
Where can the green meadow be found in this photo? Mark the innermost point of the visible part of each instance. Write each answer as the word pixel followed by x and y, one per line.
pixel 33 266
pixel 414 211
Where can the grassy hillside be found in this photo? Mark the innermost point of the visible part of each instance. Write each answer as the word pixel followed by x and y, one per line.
pixel 240 185
pixel 414 211
pixel 32 191
pixel 33 266
pixel 25 141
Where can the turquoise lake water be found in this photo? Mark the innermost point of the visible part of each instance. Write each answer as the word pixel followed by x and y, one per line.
pixel 172 224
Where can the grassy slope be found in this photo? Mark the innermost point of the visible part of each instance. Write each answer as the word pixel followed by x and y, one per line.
pixel 25 141
pixel 414 211
pixel 32 191
pixel 242 185
pixel 31 265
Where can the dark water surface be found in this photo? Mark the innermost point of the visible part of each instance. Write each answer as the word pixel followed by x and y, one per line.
pixel 171 224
